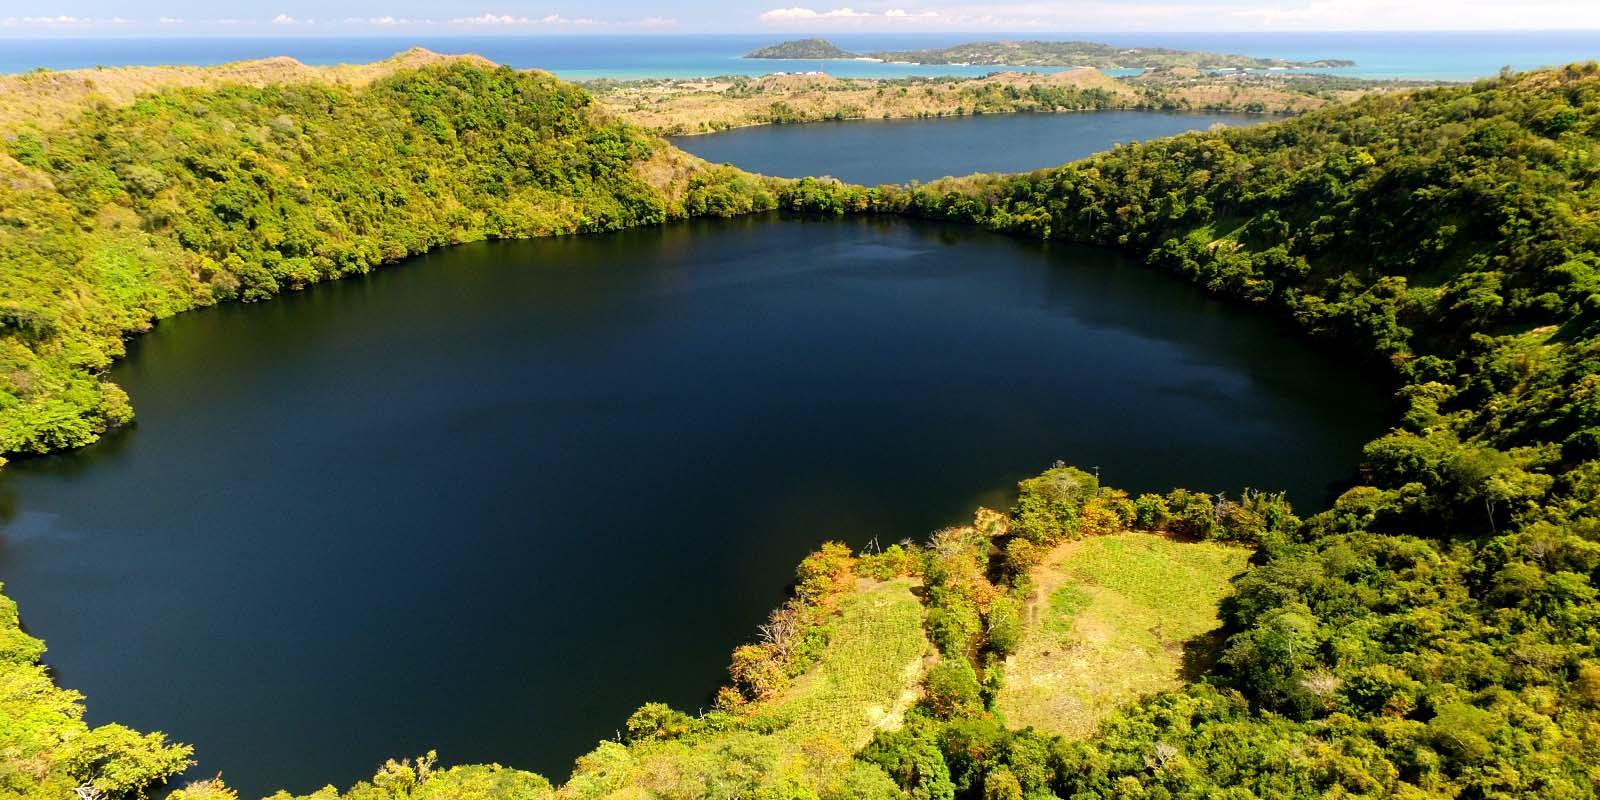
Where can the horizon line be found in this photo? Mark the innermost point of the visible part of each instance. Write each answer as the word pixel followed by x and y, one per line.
pixel 268 33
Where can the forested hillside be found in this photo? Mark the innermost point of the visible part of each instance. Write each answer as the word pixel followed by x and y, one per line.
pixel 190 196
pixel 1434 633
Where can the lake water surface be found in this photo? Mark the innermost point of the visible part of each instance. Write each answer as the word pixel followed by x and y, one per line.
pixel 491 500
pixel 896 151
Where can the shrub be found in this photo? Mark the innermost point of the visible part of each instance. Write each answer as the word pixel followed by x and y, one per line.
pixel 1193 514
pixel 955 627
pixel 825 574
pixel 756 673
pixel 1005 624
pixel 1150 512
pixel 1047 507
pixel 951 688
pixel 658 721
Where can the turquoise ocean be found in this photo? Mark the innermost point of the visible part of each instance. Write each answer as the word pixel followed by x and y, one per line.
pixel 1454 56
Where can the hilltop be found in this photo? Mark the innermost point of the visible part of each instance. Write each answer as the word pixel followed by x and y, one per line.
pixel 51 97
pixel 813 48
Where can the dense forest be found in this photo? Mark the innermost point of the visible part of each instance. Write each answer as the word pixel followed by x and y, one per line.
pixel 1433 634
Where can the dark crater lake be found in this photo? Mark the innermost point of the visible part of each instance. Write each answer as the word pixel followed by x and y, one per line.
pixel 872 152
pixel 491 500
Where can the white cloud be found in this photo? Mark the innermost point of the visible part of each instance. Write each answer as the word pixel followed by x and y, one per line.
pixel 781 14
pixel 62 20
pixel 1418 15
pixel 555 20
pixel 1208 15
pixel 386 21
pixel 801 14
pixel 171 20
pixel 491 19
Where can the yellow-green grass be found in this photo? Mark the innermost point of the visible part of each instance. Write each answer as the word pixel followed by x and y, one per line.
pixel 1112 619
pixel 868 675
pixel 865 679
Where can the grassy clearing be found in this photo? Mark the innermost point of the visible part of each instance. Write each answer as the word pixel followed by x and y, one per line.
pixel 869 673
pixel 1111 620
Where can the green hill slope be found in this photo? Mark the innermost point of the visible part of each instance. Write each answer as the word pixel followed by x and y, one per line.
pixel 185 197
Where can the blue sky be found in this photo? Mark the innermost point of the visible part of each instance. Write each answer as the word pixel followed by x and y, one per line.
pixel 348 17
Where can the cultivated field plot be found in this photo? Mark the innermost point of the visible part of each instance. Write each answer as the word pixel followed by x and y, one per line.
pixel 868 677
pixel 1112 618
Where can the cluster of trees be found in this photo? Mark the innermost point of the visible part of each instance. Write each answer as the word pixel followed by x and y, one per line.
pixel 992 98
pixel 47 750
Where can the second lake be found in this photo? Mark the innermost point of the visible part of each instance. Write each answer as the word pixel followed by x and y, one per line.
pixel 873 152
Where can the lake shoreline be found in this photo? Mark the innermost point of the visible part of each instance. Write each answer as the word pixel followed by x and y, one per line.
pixel 1269 116
pixel 881 237
pixel 707 105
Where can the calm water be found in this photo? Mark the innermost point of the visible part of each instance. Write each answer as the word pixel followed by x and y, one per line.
pixel 928 149
pixel 493 499
pixel 1426 55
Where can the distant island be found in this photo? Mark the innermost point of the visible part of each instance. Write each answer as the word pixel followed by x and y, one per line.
pixel 803 49
pixel 1045 54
